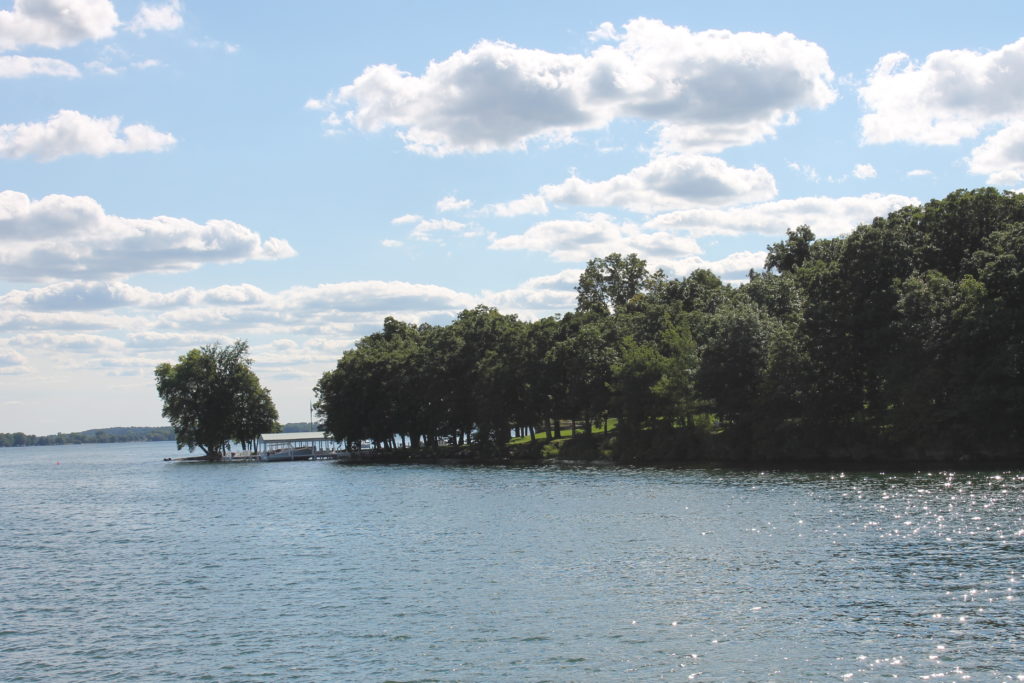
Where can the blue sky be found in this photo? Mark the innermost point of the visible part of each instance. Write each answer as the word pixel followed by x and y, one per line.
pixel 179 173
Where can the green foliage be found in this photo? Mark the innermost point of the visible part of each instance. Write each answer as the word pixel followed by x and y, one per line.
pixel 211 397
pixel 907 335
pixel 734 360
pixel 785 257
pixel 608 284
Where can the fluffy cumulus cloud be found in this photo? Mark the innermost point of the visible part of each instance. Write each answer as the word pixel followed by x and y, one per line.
pixel 538 296
pixel 19 321
pixel 77 342
pixel 56 23
pixel 599 235
pixel 73 237
pixel 1001 156
pixel 166 17
pixel 864 171
pixel 954 95
pixel 827 216
pixel 70 132
pixel 375 296
pixel 82 310
pixel 426 228
pixel 159 341
pixel 111 328
pixel 704 91
pixel 530 204
pixel 16 66
pixel 116 329
pixel 732 268
pixel 93 296
pixel 667 183
pixel 287 307
pixel 594 236
pixel 452 204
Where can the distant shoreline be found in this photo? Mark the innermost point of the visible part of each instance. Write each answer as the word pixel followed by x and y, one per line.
pixel 108 435
pixel 104 435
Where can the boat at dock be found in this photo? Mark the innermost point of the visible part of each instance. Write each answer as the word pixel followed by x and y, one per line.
pixel 283 454
pixel 281 447
pixel 288 446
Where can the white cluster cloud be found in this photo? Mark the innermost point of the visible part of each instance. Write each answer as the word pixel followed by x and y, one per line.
pixel 594 236
pixel 78 342
pixel 705 91
pixel 425 228
pixel 287 306
pixel 864 171
pixel 17 66
pixel 70 132
pixel 670 240
pixel 154 341
pixel 603 33
pixel 805 170
pixel 538 296
pixel 120 330
pixel 667 183
pixel 60 236
pixel 599 235
pixel 733 268
pixel 450 203
pixel 91 295
pixel 12 320
pixel 165 17
pixel 526 205
pixel 374 296
pixel 1001 156
pixel 65 23
pixel 952 96
pixel 827 216
pixel 56 23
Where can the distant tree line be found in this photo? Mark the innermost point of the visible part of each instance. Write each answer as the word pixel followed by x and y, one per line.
pixel 906 335
pixel 108 435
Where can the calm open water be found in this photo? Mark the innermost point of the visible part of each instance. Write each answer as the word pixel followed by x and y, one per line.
pixel 117 566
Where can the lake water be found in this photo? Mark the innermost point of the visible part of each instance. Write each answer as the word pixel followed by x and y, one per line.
pixel 117 566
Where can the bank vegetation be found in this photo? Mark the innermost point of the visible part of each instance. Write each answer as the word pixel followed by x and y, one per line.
pixel 901 342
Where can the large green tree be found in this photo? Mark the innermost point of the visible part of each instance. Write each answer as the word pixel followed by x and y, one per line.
pixel 212 397
pixel 608 284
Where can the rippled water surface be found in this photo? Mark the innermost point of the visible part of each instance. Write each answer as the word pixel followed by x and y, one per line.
pixel 117 566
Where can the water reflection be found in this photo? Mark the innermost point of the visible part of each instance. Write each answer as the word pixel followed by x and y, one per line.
pixel 121 566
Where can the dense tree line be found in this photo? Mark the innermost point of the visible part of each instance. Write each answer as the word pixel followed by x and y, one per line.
pixel 906 335
pixel 109 435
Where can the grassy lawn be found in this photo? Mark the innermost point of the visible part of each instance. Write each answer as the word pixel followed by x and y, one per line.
pixel 544 436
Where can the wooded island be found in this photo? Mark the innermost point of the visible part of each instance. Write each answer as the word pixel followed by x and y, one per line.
pixel 899 343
